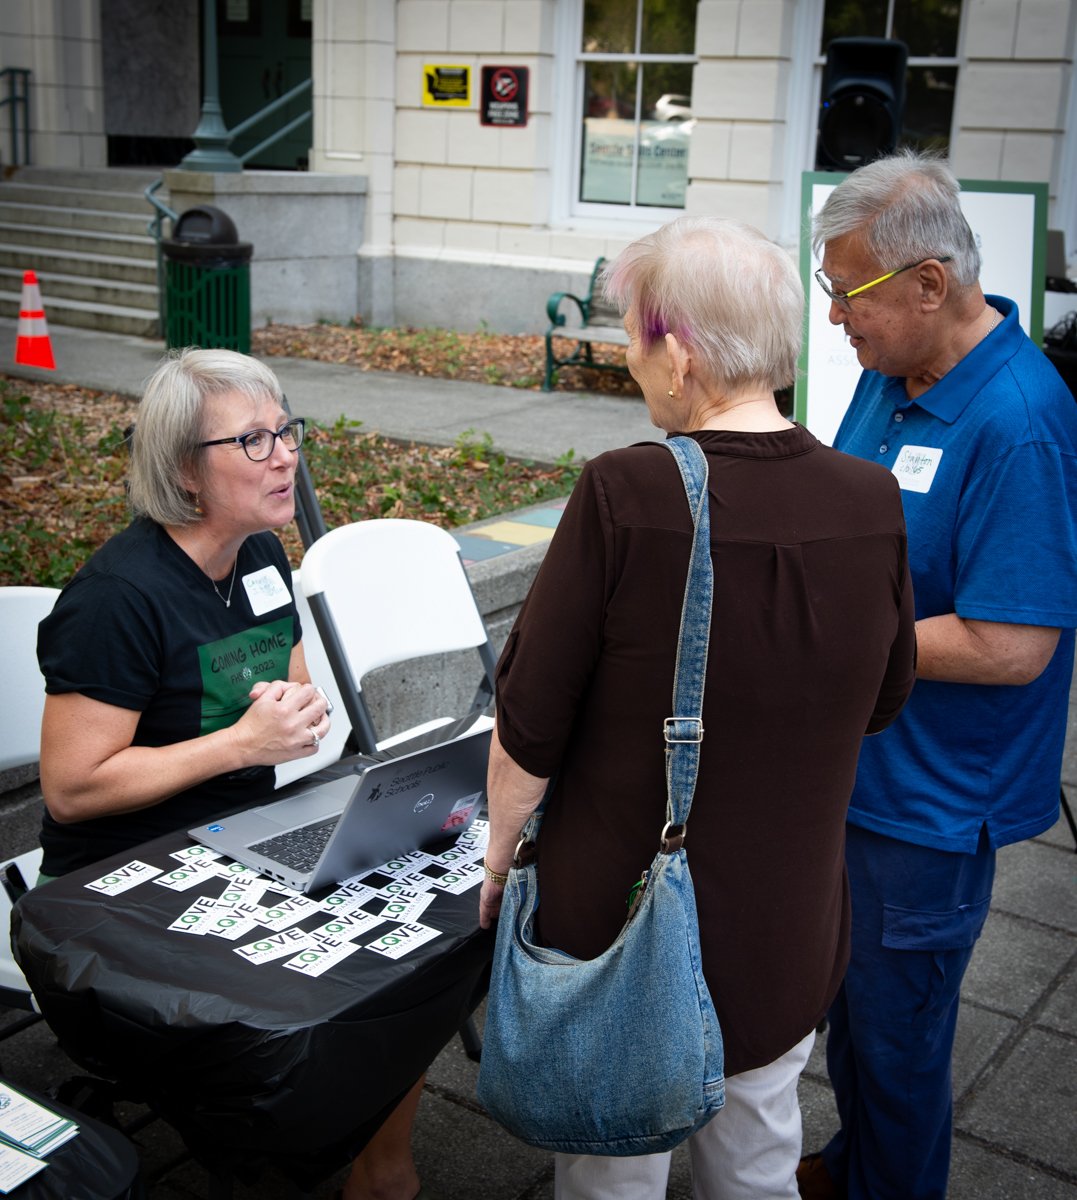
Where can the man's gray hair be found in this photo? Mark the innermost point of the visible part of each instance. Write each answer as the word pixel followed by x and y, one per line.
pixel 171 423
pixel 907 208
pixel 730 294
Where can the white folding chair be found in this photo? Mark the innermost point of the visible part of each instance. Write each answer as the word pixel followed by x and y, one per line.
pixel 321 673
pixel 21 611
pixel 386 591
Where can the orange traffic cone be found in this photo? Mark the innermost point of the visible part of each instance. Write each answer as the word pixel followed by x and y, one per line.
pixel 32 346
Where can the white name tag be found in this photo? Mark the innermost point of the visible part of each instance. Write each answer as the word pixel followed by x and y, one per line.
pixel 916 466
pixel 265 590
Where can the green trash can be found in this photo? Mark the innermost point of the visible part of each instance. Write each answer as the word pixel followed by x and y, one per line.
pixel 207 282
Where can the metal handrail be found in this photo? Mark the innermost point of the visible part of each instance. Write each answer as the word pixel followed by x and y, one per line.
pixel 161 211
pixel 155 230
pixel 268 111
pixel 18 89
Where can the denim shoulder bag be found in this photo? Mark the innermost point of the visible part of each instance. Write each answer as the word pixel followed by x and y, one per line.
pixel 621 1054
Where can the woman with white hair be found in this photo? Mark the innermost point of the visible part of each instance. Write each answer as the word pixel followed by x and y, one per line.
pixel 811 647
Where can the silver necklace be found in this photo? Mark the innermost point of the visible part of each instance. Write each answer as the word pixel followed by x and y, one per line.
pixel 226 601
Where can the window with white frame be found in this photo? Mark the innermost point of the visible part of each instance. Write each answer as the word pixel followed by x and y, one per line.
pixel 929 28
pixel 633 66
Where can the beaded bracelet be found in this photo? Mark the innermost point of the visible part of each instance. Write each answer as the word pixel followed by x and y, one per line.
pixel 494 876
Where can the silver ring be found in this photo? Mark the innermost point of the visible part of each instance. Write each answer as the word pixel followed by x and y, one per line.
pixel 317 740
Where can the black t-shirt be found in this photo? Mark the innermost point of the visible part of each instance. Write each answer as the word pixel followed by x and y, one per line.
pixel 140 627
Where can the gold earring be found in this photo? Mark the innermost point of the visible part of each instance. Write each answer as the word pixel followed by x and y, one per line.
pixel 199 511
pixel 670 394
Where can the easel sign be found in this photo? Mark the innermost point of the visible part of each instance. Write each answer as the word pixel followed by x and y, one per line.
pixel 1009 222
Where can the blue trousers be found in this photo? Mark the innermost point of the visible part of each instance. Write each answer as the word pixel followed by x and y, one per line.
pixel 916 915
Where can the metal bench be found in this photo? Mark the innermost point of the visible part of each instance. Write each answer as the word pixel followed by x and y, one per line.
pixel 586 319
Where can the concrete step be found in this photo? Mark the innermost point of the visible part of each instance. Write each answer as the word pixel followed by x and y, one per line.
pixel 109 179
pixel 52 215
pixel 96 266
pixel 96 198
pixel 56 287
pixel 107 318
pixel 85 233
pixel 84 241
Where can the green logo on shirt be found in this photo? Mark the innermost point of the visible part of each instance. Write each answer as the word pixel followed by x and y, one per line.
pixel 232 666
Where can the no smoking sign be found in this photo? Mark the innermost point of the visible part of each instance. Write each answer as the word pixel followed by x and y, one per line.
pixel 504 96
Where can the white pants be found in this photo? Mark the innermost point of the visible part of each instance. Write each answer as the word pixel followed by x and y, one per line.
pixel 749 1151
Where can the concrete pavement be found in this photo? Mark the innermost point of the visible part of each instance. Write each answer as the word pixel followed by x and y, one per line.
pixel 1016 1059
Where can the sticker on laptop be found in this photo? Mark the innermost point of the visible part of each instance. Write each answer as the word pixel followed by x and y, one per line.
pixel 461 811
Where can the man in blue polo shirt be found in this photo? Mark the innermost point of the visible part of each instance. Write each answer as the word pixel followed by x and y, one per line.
pixel 982 435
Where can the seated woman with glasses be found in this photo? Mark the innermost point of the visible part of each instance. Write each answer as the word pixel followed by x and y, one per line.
pixel 173 663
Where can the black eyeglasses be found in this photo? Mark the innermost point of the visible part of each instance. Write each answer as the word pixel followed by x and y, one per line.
pixel 842 298
pixel 258 444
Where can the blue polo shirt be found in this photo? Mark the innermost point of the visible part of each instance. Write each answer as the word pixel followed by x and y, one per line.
pixel 987 462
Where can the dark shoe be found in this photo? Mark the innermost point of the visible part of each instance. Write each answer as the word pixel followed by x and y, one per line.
pixel 814 1181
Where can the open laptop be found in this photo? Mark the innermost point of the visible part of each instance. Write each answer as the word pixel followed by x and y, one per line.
pixel 389 805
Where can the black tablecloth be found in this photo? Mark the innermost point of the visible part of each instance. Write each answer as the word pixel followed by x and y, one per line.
pixel 252 1064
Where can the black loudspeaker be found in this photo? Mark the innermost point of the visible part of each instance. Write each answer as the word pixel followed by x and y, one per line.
pixel 862 104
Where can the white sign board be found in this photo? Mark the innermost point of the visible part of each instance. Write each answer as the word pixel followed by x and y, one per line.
pixel 1009 222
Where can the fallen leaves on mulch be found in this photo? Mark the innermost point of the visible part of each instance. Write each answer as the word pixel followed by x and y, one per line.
pixel 511 360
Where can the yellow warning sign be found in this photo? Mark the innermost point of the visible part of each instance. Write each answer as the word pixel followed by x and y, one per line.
pixel 447 84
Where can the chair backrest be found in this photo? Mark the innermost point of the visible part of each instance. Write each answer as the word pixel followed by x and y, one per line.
pixel 321 673
pixel 385 591
pixel 21 611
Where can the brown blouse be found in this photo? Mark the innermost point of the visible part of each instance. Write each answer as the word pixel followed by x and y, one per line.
pixel 812 646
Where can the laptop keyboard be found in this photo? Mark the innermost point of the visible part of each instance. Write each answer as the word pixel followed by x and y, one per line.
pixel 299 849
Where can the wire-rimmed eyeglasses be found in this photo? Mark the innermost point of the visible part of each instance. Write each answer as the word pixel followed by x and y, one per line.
pixel 258 443
pixel 842 298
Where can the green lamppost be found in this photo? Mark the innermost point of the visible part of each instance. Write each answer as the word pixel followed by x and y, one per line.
pixel 211 139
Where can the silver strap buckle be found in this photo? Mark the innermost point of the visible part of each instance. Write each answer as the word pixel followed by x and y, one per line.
pixel 682 730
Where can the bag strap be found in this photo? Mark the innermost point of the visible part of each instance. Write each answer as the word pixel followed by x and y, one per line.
pixel 684 730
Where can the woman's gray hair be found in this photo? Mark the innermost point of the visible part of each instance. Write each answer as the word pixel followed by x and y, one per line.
pixel 170 425
pixel 906 208
pixel 730 294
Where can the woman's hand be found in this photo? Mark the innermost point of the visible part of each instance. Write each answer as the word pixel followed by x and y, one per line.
pixel 285 721
pixel 490 903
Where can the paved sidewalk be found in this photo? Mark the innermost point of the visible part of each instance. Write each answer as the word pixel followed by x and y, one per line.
pixel 1016 1057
